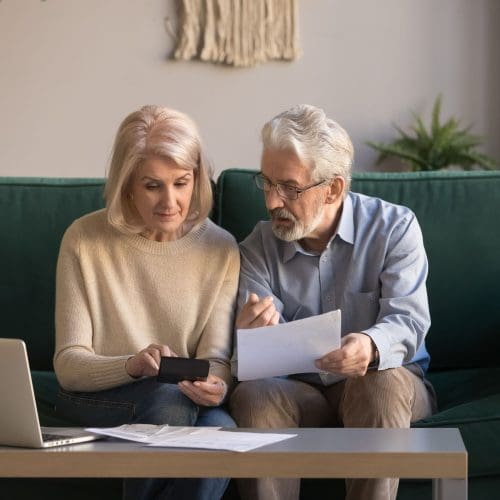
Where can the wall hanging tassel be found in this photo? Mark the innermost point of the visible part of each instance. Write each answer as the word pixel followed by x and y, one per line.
pixel 238 32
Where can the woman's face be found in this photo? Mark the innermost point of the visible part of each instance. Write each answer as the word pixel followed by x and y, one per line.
pixel 161 192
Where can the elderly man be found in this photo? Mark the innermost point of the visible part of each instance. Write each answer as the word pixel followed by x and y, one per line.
pixel 328 248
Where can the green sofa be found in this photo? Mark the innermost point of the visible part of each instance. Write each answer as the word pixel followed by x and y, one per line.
pixel 458 214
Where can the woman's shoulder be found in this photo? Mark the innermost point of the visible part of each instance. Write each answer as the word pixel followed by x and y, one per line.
pixel 89 224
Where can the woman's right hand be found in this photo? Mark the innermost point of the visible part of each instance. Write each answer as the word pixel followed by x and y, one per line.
pixel 146 363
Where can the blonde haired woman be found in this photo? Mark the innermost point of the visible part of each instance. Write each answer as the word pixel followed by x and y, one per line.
pixel 148 276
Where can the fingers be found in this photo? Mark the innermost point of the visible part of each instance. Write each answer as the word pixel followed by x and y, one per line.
pixel 275 318
pixel 351 360
pixel 146 363
pixel 257 312
pixel 209 393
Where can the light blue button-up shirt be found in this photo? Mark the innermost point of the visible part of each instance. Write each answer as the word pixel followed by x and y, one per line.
pixel 373 269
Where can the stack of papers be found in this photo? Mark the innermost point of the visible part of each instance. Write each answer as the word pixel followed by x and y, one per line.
pixel 210 438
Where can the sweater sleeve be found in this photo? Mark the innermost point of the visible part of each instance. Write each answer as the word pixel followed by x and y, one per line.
pixel 216 342
pixel 76 365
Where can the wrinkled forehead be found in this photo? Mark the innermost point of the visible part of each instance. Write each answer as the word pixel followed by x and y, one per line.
pixel 285 166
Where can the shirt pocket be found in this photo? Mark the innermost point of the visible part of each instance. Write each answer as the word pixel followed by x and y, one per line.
pixel 359 310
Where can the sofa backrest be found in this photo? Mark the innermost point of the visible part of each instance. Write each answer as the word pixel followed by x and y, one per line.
pixel 34 213
pixel 457 211
pixel 458 214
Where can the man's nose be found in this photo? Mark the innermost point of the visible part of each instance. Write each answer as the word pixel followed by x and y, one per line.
pixel 273 200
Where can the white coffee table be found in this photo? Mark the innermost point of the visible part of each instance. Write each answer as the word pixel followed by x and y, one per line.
pixel 437 454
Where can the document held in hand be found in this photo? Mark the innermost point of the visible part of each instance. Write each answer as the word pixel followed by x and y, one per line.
pixel 287 348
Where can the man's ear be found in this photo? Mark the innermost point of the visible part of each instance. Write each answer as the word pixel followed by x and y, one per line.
pixel 336 189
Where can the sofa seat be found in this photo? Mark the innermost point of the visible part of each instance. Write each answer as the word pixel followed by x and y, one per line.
pixel 46 387
pixel 470 400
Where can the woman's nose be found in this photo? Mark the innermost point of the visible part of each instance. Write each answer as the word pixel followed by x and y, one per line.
pixel 167 199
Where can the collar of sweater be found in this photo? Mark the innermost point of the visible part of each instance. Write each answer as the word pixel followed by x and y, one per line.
pixel 168 247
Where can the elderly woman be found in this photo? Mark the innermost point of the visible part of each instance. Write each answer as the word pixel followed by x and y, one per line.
pixel 148 276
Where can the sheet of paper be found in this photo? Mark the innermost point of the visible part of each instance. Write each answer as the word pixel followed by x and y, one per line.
pixel 287 348
pixel 142 433
pixel 211 438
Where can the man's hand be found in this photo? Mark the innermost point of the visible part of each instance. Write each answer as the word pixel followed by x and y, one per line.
pixel 357 351
pixel 146 363
pixel 209 393
pixel 257 312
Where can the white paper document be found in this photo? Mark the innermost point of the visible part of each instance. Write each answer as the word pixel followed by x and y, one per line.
pixel 211 438
pixel 287 348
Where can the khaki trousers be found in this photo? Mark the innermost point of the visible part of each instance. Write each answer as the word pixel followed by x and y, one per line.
pixel 388 398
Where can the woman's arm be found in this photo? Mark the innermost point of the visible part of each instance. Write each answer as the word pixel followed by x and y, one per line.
pixel 76 364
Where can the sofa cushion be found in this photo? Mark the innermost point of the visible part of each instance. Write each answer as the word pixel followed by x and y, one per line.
pixel 455 387
pixel 46 387
pixel 463 263
pixel 239 203
pixel 470 400
pixel 479 424
pixel 35 213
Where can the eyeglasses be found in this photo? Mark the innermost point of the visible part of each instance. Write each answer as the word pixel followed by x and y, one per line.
pixel 286 191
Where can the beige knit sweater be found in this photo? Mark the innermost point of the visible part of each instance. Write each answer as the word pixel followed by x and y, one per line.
pixel 117 293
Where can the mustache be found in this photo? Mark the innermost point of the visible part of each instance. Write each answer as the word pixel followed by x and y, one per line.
pixel 282 213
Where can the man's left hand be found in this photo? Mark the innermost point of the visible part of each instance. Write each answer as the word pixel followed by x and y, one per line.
pixel 352 359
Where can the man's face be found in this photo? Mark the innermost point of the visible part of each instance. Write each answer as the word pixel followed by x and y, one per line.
pixel 293 219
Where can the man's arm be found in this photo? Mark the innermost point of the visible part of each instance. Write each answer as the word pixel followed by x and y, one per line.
pixel 257 303
pixel 403 318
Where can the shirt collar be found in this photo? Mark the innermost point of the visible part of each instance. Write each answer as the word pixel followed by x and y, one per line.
pixel 345 230
pixel 346 224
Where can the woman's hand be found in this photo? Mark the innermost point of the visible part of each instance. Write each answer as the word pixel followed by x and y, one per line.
pixel 209 393
pixel 146 363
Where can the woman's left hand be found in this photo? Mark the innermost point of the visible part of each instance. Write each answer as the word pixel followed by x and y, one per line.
pixel 208 393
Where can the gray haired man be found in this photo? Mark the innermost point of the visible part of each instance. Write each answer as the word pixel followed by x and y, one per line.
pixel 328 248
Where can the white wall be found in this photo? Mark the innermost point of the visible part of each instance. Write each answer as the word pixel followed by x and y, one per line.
pixel 70 70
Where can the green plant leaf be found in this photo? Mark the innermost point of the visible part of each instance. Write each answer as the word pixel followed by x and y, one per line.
pixel 441 146
pixel 394 150
pixel 436 111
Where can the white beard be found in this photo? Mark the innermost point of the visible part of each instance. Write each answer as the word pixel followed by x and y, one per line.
pixel 298 230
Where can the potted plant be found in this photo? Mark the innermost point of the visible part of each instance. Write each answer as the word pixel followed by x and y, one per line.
pixel 442 145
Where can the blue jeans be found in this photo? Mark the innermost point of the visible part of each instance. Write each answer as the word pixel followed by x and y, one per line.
pixel 148 402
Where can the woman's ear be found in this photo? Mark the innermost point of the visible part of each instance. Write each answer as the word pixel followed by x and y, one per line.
pixel 335 189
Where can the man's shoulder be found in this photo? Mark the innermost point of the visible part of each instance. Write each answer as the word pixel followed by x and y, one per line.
pixel 261 244
pixel 373 209
pixel 219 234
pixel 261 234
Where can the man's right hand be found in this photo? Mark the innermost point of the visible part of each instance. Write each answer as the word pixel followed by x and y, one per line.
pixel 258 312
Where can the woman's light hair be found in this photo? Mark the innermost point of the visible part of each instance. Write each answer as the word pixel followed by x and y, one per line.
pixel 316 140
pixel 155 132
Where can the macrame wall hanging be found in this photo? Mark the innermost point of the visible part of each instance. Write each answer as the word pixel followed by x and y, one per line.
pixel 238 32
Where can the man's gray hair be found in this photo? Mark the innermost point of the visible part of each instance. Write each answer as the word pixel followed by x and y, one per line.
pixel 317 141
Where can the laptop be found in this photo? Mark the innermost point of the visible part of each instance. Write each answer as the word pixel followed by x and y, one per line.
pixel 19 423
